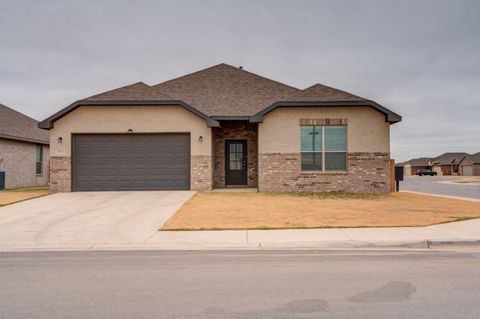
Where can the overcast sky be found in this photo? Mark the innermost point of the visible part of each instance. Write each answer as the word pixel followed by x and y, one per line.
pixel 421 59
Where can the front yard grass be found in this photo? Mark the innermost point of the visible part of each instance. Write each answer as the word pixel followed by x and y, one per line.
pixel 10 196
pixel 215 211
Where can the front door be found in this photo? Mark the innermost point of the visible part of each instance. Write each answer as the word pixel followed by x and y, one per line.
pixel 236 162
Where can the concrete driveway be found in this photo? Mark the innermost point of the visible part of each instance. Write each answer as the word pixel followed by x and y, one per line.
pixel 87 219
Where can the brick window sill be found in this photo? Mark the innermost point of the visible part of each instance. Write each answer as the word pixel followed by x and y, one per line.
pixel 324 173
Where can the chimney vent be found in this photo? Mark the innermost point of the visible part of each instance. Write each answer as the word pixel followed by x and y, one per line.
pixel 240 67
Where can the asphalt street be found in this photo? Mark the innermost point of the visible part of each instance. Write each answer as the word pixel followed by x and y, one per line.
pixel 235 284
pixel 440 186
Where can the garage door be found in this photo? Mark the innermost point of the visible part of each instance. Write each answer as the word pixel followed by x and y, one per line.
pixel 467 170
pixel 131 161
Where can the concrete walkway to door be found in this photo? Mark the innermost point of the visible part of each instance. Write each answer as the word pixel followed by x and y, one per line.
pixel 86 220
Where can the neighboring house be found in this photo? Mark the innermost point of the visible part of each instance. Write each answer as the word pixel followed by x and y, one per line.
pixel 447 163
pixel 221 127
pixel 24 151
pixel 412 166
pixel 470 165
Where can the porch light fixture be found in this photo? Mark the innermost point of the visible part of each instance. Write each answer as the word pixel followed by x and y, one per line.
pixel 200 138
pixel 60 140
pixel 130 131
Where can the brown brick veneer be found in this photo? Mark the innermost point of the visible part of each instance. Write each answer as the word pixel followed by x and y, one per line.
pixel 60 174
pixel 367 172
pixel 201 173
pixel 235 130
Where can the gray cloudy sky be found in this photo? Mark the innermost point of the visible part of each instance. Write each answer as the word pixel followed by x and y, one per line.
pixel 421 59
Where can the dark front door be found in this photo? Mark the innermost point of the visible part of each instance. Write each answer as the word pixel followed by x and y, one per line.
pixel 236 162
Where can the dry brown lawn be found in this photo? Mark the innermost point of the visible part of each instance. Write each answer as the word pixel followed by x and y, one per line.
pixel 11 196
pixel 308 210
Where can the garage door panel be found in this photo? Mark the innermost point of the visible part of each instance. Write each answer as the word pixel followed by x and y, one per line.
pixel 131 161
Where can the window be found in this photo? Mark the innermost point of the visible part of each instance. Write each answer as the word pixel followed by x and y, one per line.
pixel 324 148
pixel 38 159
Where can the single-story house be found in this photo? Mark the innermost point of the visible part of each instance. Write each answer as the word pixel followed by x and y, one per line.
pixel 24 150
pixel 412 166
pixel 447 163
pixel 221 127
pixel 470 165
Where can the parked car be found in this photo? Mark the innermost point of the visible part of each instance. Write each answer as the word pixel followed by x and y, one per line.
pixel 422 172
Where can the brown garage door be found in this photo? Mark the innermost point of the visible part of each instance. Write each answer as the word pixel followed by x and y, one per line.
pixel 131 161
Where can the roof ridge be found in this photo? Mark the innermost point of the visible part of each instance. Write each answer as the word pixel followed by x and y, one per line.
pixel 187 75
pixel 230 66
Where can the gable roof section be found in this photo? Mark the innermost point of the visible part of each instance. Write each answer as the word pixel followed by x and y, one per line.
pixel 421 161
pixel 17 126
pixel 475 158
pixel 448 158
pixel 224 90
pixel 319 95
pixel 135 94
pixel 322 93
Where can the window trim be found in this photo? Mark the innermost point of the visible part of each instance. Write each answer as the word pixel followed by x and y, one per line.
pixel 323 151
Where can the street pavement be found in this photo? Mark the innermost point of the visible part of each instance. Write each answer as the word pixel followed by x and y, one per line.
pixel 440 185
pixel 229 284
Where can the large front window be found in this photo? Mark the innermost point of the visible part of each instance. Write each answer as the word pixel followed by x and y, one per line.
pixel 324 148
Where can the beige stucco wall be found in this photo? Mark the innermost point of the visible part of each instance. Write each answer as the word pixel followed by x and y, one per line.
pixel 141 119
pixel 367 129
pixel 17 160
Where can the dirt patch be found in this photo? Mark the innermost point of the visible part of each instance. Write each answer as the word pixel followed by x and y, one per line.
pixel 211 211
pixel 11 196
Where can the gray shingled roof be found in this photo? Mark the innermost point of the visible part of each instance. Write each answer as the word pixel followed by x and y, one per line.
pixel 448 158
pixel 134 92
pixel 224 90
pixel 323 93
pixel 17 126
pixel 421 161
pixel 475 158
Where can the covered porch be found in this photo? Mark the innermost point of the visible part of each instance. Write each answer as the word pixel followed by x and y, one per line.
pixel 235 155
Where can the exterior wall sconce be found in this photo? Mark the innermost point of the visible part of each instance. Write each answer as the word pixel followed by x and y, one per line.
pixel 130 131
pixel 200 138
pixel 60 140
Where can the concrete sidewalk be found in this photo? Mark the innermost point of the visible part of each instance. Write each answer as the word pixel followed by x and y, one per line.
pixel 465 232
pixel 458 233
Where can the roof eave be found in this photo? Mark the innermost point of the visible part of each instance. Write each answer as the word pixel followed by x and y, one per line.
pixel 47 124
pixel 23 139
pixel 390 117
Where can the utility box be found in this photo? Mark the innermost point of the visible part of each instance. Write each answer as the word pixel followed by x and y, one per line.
pixel 398 176
pixel 2 180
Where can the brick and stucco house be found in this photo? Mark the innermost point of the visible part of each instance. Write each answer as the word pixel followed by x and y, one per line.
pixel 221 127
pixel 24 150
pixel 470 165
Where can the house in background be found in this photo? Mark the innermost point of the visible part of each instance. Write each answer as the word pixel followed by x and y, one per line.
pixel 221 127
pixel 412 166
pixel 24 150
pixel 445 164
pixel 470 165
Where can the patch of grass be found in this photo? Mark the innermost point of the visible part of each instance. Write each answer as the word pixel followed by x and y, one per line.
pixel 240 211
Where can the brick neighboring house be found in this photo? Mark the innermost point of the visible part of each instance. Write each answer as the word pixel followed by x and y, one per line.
pixel 470 165
pixel 412 166
pixel 24 150
pixel 221 127
pixel 447 163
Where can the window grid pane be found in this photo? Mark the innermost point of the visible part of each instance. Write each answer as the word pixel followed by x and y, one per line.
pixel 327 155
